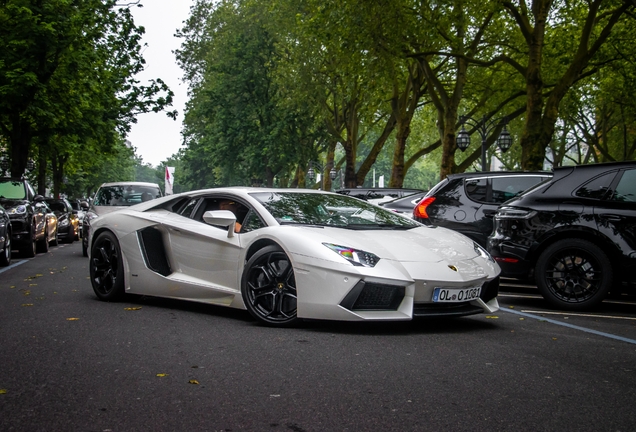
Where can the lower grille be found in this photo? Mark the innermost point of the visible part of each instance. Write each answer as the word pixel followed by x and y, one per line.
pixel 373 296
pixel 489 290
pixel 445 310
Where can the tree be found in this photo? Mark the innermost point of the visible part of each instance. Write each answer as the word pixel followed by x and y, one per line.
pixel 67 77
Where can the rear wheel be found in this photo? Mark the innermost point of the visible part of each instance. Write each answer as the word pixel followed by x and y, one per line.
pixel 269 287
pixel 106 269
pixel 29 248
pixel 84 244
pixel 573 274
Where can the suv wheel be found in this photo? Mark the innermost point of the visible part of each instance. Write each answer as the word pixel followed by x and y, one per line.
pixel 573 274
pixel 28 248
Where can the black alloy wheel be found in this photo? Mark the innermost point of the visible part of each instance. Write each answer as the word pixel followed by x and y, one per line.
pixel 5 258
pixel 106 268
pixel 28 249
pixel 574 275
pixel 269 287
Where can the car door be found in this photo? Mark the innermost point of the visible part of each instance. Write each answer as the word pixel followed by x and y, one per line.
pixel 201 254
pixel 616 217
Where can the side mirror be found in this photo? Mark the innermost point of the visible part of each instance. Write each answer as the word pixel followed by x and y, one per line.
pixel 84 205
pixel 38 198
pixel 224 218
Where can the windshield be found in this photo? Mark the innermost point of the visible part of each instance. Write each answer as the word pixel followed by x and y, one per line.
pixel 12 189
pixel 125 195
pixel 329 210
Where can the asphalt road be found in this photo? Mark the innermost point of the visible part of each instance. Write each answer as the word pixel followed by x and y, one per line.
pixel 69 362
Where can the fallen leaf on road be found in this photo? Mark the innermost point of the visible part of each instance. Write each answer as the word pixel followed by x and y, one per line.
pixel 72 319
pixel 132 308
pixel 27 304
pixel 492 317
pixel 3 391
pixel 511 307
pixel 162 374
pixel 193 382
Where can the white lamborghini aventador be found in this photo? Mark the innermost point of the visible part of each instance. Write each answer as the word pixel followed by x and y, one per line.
pixel 288 254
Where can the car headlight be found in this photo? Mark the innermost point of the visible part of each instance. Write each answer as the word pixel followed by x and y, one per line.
pixel 354 256
pixel 90 216
pixel 514 213
pixel 17 210
pixel 482 252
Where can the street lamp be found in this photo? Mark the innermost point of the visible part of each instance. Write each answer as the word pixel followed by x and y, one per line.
pixel 317 166
pixel 484 127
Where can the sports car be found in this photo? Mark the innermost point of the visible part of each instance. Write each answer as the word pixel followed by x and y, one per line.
pixel 290 254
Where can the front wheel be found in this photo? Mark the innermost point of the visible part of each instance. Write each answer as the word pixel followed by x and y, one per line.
pixel 269 287
pixel 573 274
pixel 29 248
pixel 106 268
pixel 5 258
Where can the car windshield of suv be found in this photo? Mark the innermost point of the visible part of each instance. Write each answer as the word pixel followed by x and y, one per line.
pixel 10 189
pixel 329 210
pixel 57 206
pixel 125 195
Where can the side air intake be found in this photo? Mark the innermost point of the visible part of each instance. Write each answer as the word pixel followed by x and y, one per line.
pixel 154 251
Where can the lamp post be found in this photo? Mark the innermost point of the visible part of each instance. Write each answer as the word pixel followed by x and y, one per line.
pixel 313 166
pixel 484 127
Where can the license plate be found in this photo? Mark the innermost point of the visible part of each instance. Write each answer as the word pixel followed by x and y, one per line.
pixel 454 295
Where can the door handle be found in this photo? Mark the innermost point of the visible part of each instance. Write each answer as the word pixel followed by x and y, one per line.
pixel 611 217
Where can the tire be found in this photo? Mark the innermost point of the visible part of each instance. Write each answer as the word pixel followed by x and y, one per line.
pixel 5 258
pixel 43 245
pixel 106 268
pixel 268 287
pixel 573 275
pixel 55 241
pixel 29 249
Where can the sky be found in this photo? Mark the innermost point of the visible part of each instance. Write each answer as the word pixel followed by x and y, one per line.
pixel 155 135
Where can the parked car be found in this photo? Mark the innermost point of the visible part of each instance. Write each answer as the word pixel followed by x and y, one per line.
pixel 51 226
pixel 377 195
pixel 299 254
pixel 576 234
pixel 115 196
pixel 77 206
pixel 5 238
pixel 31 228
pixel 404 205
pixel 67 221
pixel 467 202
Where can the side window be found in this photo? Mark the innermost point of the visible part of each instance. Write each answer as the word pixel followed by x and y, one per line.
pixel 186 211
pixel 476 189
pixel 626 188
pixel 597 187
pixel 505 188
pixel 252 222
pixel 374 195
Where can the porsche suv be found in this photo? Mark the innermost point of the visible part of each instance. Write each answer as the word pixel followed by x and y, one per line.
pixel 31 223
pixel 115 196
pixel 576 234
pixel 467 202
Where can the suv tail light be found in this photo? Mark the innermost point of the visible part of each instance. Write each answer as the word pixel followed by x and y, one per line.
pixel 420 210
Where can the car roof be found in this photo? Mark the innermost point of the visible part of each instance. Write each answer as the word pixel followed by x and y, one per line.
pixel 128 184
pixel 496 174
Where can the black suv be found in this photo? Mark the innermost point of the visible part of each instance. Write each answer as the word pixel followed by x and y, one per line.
pixel 28 222
pixel 576 234
pixel 467 202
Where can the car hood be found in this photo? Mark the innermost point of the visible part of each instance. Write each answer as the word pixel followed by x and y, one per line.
pixel 422 244
pixel 9 203
pixel 102 210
